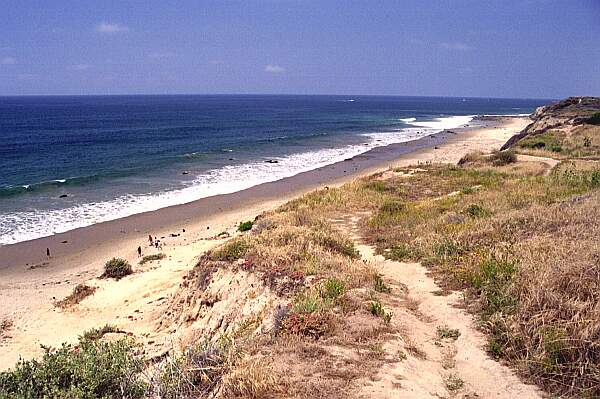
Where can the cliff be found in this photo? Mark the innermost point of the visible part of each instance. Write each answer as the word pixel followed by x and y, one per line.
pixel 575 116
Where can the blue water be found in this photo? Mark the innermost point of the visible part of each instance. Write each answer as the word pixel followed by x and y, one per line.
pixel 118 155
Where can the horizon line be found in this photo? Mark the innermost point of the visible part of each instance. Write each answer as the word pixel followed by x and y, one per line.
pixel 281 94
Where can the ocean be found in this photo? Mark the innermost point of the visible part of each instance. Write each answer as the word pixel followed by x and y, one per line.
pixel 72 161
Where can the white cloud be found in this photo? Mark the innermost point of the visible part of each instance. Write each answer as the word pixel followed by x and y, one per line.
pixel 8 61
pixel 78 67
pixel 459 46
pixel 274 69
pixel 106 27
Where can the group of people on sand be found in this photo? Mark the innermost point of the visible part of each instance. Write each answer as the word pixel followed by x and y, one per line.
pixel 154 242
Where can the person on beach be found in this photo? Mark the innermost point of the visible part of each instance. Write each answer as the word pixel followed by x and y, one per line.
pixel 48 252
pixel 150 239
pixel 156 242
pixel 139 251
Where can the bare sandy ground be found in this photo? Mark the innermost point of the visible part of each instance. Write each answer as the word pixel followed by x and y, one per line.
pixel 436 367
pixel 30 318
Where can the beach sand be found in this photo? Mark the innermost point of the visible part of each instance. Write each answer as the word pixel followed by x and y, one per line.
pixel 30 283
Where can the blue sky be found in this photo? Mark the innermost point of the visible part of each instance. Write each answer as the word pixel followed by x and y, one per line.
pixel 489 48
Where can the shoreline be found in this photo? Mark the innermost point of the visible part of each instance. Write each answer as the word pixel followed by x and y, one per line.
pixel 177 217
pixel 173 219
pixel 28 292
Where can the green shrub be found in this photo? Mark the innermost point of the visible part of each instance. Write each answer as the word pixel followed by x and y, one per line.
pixel 379 285
pixel 376 308
pixel 447 248
pixel 391 207
pixel 447 332
pixel 117 268
pixel 94 369
pixel 150 258
pixel 477 211
pixel 332 289
pixel 245 226
pixel 580 179
pixel 546 141
pixel 594 119
pixel 502 158
pixel 376 185
pixel 308 301
pixel 97 333
pixel 232 250
pixel 493 279
pixel 401 252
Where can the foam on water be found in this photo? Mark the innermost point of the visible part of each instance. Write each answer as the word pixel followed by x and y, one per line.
pixel 27 225
pixel 445 123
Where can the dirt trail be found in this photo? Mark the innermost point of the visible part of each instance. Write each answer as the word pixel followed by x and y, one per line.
pixel 434 367
pixel 550 162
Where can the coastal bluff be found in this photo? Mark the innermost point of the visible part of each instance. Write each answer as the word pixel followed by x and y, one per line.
pixel 574 116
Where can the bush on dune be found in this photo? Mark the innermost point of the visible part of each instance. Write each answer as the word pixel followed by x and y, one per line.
pixel 92 369
pixel 117 268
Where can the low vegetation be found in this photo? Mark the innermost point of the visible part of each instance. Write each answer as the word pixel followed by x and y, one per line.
pixel 594 119
pixel 445 332
pixel 97 333
pixel 196 372
pixel 377 309
pixel 312 272
pixel 80 292
pixel 90 369
pixel 523 246
pixel 379 285
pixel 581 141
pixel 245 226
pixel 117 268
pixel 151 258
pixel 519 240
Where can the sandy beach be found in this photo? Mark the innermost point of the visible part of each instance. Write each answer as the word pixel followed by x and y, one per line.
pixel 30 283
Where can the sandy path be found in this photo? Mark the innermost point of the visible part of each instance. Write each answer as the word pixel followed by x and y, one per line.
pixel 437 367
pixel 434 367
pixel 550 162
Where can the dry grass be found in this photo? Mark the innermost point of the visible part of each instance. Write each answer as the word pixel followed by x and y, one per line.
pixel 5 326
pixel 252 378
pixel 521 241
pixel 582 141
pixel 525 246
pixel 314 274
pixel 80 292
pixel 151 258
